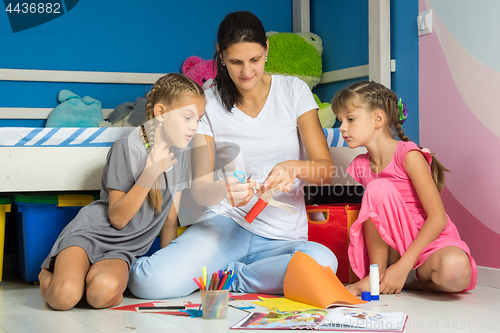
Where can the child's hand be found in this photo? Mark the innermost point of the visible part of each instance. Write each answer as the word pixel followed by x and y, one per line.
pixel 159 160
pixel 238 194
pixel 393 279
pixel 158 154
pixel 282 175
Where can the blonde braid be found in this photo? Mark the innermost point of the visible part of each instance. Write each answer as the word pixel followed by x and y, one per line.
pixel 169 89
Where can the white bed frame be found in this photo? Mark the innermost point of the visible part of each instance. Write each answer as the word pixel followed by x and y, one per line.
pixel 71 169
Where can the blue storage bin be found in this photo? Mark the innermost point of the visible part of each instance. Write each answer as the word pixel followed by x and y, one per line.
pixel 40 219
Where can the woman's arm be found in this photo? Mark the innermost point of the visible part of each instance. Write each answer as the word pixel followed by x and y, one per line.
pixel 169 229
pixel 317 170
pixel 418 171
pixel 204 190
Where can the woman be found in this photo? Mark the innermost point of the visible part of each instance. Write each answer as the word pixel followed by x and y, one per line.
pixel 258 124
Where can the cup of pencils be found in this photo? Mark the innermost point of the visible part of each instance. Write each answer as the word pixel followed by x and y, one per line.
pixel 215 293
pixel 214 303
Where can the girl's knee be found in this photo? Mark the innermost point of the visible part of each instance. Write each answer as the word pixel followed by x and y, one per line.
pixel 64 295
pixel 104 291
pixel 455 272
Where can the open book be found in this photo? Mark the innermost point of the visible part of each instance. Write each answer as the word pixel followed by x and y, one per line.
pixel 337 319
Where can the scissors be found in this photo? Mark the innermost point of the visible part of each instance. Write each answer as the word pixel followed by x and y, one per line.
pixel 241 176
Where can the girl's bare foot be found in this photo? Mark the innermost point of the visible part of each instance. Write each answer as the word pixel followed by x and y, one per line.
pixel 358 287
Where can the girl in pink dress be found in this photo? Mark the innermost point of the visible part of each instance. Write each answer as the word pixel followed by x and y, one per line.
pixel 402 225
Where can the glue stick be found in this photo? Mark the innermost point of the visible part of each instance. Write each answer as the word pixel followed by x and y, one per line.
pixel 374 282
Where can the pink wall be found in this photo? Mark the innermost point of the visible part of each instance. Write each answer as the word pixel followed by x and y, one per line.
pixel 460 122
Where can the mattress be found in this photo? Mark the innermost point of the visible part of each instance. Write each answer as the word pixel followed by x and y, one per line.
pixel 73 158
pixel 61 136
pixel 93 136
pixel 334 137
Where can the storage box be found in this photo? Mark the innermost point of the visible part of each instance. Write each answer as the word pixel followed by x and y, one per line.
pixel 40 218
pixel 5 205
pixel 329 224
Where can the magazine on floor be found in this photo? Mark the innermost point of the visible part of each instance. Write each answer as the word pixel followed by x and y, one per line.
pixel 338 319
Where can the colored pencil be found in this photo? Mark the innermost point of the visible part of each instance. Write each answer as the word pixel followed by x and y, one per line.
pixel 197 283
pixel 231 281
pixel 202 283
pixel 204 270
pixel 229 276
pixel 221 284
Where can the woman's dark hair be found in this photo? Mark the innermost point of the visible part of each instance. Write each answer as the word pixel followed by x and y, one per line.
pixel 236 27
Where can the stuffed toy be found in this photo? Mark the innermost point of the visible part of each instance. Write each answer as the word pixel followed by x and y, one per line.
pixel 75 111
pixel 299 54
pixel 200 71
pixel 325 113
pixel 129 114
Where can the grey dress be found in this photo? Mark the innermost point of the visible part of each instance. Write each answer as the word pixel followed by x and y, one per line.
pixel 91 229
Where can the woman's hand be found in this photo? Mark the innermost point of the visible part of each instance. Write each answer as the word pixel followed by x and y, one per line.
pixel 394 278
pixel 283 175
pixel 236 193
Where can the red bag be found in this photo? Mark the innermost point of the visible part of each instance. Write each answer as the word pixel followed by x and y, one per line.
pixel 333 232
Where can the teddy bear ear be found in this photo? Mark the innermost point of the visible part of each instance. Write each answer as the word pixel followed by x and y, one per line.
pixel 64 95
pixel 189 63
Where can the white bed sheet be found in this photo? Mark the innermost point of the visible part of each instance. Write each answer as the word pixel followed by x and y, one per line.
pixel 71 159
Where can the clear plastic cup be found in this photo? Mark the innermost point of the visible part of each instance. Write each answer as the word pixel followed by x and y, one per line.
pixel 214 303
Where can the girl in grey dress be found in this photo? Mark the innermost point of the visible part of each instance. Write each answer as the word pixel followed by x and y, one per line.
pixel 141 181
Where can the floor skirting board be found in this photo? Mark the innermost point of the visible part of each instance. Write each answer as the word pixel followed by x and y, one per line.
pixel 488 277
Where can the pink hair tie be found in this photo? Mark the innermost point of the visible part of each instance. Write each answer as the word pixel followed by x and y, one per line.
pixel 425 150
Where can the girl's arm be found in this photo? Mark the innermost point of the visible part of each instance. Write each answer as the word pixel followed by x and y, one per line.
pixel 418 171
pixel 124 205
pixel 318 169
pixel 204 190
pixel 169 229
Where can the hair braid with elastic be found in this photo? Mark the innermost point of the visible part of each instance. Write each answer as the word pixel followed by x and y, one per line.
pixel 375 96
pixel 169 90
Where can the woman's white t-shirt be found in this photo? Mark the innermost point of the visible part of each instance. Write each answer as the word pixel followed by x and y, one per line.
pixel 255 146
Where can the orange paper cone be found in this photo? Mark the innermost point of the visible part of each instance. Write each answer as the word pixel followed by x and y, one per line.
pixel 308 282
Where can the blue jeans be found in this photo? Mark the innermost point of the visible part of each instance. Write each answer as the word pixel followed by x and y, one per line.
pixel 220 243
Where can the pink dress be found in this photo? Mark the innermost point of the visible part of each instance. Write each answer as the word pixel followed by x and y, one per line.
pixel 392 203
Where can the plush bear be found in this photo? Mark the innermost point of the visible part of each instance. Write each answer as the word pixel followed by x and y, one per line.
pixel 200 71
pixel 299 54
pixel 128 114
pixel 75 111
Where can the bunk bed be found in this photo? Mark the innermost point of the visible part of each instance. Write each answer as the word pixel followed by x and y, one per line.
pixel 71 159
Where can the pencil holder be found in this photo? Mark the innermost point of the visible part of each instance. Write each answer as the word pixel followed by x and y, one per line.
pixel 214 303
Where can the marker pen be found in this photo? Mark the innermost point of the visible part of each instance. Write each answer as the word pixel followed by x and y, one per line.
pixel 374 282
